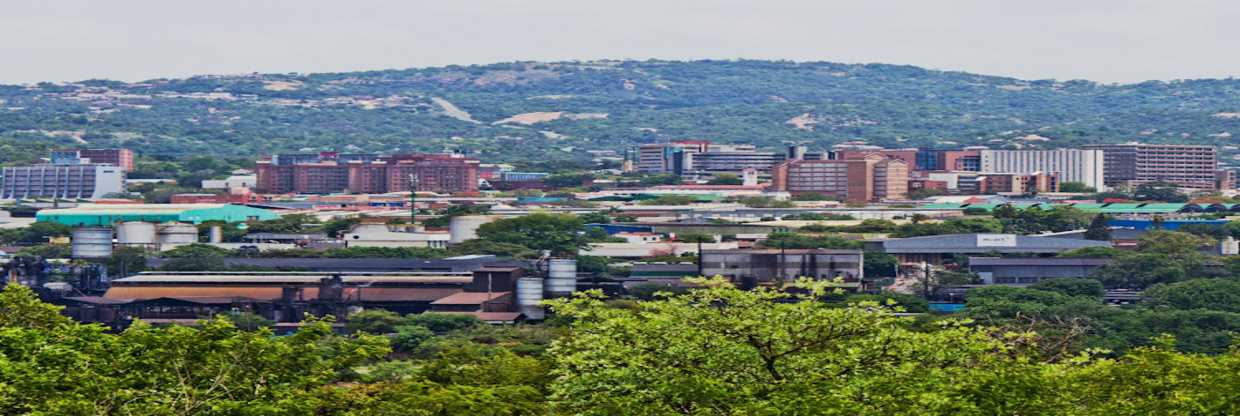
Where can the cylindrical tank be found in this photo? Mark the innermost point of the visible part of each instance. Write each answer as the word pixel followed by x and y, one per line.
pixel 529 297
pixel 561 277
pixel 465 227
pixel 217 234
pixel 173 235
pixel 135 233
pixel 92 243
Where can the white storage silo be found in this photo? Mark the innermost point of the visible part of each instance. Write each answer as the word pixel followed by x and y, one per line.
pixel 92 243
pixel 173 235
pixel 561 277
pixel 135 233
pixel 465 227
pixel 529 297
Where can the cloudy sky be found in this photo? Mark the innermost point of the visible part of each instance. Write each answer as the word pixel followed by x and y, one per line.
pixel 1103 40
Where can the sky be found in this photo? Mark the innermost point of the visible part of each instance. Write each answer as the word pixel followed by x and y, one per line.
pixel 1113 41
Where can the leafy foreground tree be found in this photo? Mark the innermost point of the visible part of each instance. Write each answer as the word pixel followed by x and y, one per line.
pixel 723 351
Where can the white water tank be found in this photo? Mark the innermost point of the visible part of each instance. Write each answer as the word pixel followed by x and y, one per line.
pixel 529 297
pixel 173 235
pixel 135 233
pixel 217 234
pixel 92 243
pixel 561 277
pixel 465 227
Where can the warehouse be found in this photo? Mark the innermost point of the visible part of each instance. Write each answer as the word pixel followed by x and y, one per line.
pixel 106 214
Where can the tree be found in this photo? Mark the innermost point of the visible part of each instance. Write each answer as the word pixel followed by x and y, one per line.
pixel 725 179
pixel 595 218
pixel 1212 294
pixel 126 261
pixel 443 322
pixel 567 180
pixel 481 246
pixel 1159 191
pixel 562 234
pixel 249 321
pixel 787 240
pixel 880 264
pixel 1099 229
pixel 21 308
pixel 1069 286
pixel 720 350
pixel 374 321
pixel 409 337
pixel 36 233
pixel 1076 188
pixel 195 257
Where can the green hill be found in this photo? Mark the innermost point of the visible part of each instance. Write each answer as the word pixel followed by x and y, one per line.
pixel 543 111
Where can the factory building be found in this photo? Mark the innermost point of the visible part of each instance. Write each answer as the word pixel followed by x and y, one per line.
pixel 106 214
pixel 766 266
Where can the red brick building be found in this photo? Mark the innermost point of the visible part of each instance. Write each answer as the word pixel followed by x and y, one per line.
pixel 867 179
pixel 381 174
pixel 119 157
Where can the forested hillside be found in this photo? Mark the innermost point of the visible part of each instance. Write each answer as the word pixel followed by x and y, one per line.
pixel 515 111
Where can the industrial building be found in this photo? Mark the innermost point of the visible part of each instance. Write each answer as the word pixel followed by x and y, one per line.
pixel 496 293
pixel 766 266
pixel 1071 165
pixel 1190 166
pixel 938 248
pixel 96 215
pixel 1030 270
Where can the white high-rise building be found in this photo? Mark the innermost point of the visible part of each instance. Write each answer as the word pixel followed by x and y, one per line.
pixel 1072 165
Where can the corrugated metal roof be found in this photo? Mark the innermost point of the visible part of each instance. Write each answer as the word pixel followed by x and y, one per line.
pixel 367 294
pixel 1037 261
pixel 296 279
pixel 968 243
pixel 469 298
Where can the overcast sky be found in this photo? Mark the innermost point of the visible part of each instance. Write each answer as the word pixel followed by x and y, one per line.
pixel 1103 40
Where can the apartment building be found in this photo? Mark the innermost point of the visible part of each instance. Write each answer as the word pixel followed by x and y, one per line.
pixel 365 173
pixel 869 179
pixel 1131 164
pixel 76 181
pixel 1071 165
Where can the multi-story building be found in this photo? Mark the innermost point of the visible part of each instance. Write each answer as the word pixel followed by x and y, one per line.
pixel 855 180
pixel 1130 164
pixel 122 158
pixel 331 173
pixel 1072 165
pixel 76 181
pixel 1225 179
pixel 1007 183
pixel 967 160
pixel 699 158
pixel 662 157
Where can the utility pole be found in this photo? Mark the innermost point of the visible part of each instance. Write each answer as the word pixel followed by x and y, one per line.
pixel 413 198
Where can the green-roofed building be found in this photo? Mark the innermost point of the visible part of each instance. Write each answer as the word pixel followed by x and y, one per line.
pixel 107 214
